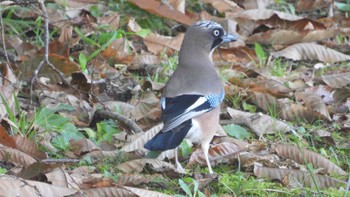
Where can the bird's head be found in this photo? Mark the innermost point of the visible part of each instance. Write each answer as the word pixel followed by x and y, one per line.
pixel 207 35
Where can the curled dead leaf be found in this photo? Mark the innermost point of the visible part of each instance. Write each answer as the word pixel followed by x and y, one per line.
pixel 302 155
pixel 297 178
pixel 311 51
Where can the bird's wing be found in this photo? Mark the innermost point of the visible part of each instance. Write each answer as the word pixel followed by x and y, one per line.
pixel 179 109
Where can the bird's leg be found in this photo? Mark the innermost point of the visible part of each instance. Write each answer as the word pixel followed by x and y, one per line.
pixel 178 165
pixel 205 149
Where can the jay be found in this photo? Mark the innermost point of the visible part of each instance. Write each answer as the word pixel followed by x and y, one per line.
pixel 191 99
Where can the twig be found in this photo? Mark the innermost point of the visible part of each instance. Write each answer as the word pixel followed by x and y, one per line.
pixel 131 124
pixel 3 39
pixel 46 55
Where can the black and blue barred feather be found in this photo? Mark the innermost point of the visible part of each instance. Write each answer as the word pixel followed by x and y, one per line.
pixel 177 114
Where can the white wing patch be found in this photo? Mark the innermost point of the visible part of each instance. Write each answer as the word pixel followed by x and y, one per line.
pixel 199 102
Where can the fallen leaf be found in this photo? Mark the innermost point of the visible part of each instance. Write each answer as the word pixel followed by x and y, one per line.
pixel 259 123
pixel 161 9
pixel 314 102
pixel 311 51
pixel 304 156
pixel 338 80
pixel 297 178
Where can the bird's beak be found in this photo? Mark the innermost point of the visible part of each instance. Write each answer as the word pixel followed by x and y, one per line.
pixel 228 38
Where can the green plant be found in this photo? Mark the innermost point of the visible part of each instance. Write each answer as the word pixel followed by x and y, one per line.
pixel 105 130
pixel 99 40
pixel 19 125
pixel 279 69
pixel 186 148
pixel 190 187
pixel 169 63
pixel 83 62
pixel 260 53
pixel 235 100
pixel 237 131
pixel 285 6
pixel 142 17
pixel 2 170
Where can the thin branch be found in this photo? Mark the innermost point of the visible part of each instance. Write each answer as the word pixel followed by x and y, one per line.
pixel 131 124
pixel 3 38
pixel 46 42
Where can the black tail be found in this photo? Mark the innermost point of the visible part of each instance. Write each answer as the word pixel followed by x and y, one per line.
pixel 170 139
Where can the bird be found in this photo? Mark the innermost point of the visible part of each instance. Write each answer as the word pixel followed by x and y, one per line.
pixel 190 102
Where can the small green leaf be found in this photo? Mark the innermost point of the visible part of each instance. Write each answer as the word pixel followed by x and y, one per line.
pixel 3 170
pixel 301 130
pixel 260 53
pixel 237 131
pixel 185 187
pixel 185 148
pixel 60 142
pixel 343 6
pixel 143 32
pixel 82 62
pixel 105 130
pixel 90 132
pixel 248 107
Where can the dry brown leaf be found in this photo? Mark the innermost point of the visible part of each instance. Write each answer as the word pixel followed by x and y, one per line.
pixel 287 37
pixel 337 80
pixel 145 59
pixel 311 51
pixel 217 153
pixel 301 156
pixel 156 43
pixel 139 140
pixel 144 192
pixel 307 5
pixel 120 51
pixel 61 178
pixel 161 9
pixel 242 54
pixel 5 139
pixel 325 92
pixel 105 191
pixel 15 156
pixel 286 111
pixel 224 5
pixel 132 179
pixel 256 4
pixel 36 169
pixel 259 123
pixel 21 187
pixel 137 165
pixel 241 144
pixel 8 77
pixel 263 14
pixel 99 155
pixel 111 19
pixel 263 85
pixel 63 64
pixel 29 147
pixel 313 102
pixel 178 5
pixel 143 106
pixel 296 178
pixel 83 146
pixel 153 85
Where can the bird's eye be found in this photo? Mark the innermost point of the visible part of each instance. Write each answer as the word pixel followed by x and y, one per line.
pixel 216 32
